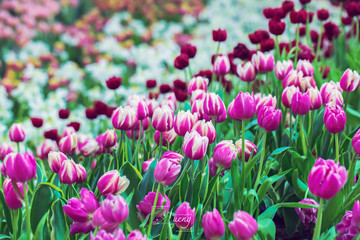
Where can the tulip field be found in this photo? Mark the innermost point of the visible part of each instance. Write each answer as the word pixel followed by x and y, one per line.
pixel 184 119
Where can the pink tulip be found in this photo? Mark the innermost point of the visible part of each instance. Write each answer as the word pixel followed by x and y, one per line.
pixel 112 182
pixel 246 72
pixel 221 65
pixel 184 122
pixel 205 129
pixel 124 118
pixel 263 63
pixel 163 119
pixel 166 171
pixel 184 216
pixel 20 167
pixel 195 146
pixel 269 118
pixel 350 81
pixel 334 118
pixel 244 226
pixel 307 215
pixel 224 153
pixel 282 69
pixel 305 67
pixel 213 225
pixel 300 103
pixel 250 149
pixel 16 133
pixel 197 83
pixel 12 198
pixel 244 106
pixel 114 209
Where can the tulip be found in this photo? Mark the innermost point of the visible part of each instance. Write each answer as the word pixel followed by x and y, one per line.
pixel 163 119
pixel 181 61
pixel 263 63
pixel 266 101
pixel 173 156
pixel 276 26
pixel 350 81
pixel 231 110
pixel 250 149
pixel 323 14
pixel 68 131
pixel 305 67
pixel 197 94
pixel 315 98
pixel 244 226
pixel 20 167
pixel 224 153
pixel 152 105
pixel 90 146
pixel 355 221
pixel 330 91
pixel 307 215
pixel 43 151
pixel 146 164
pixel 221 65
pixel 166 171
pixel 136 235
pixel 5 149
pixel 109 138
pixel 334 118
pixel 282 69
pixel 55 160
pixel 68 173
pixel 184 216
pixel 194 145
pixel 355 142
pixel 112 182
pixel 326 178
pixel 184 122
pixel 114 209
pixel 244 106
pixel 300 103
pixel 167 137
pixel 269 118
pixel 117 234
pixel 68 144
pixel 189 50
pixel 124 118
pixel 141 108
pixel 213 225
pixel 197 83
pixel 334 98
pixel 246 72
pixel 16 133
pixel 292 79
pixel 81 173
pixel 205 129
pixel 37 122
pixel 212 168
pixel 219 35
pixel 114 83
pixel 198 108
pixel 145 207
pixel 99 221
pixel 345 229
pixel 213 105
pixel 12 198
pixel 306 82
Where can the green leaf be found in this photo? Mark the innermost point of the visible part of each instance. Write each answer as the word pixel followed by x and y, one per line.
pixel 146 184
pixel 279 150
pixel 3 236
pixel 132 174
pixel 40 229
pixel 57 221
pixel 183 188
pixel 6 211
pixel 266 229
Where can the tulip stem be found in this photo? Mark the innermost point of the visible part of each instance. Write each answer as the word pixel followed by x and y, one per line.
pixel 14 221
pixel 277 48
pixel 137 147
pixel 337 147
pixel 318 220
pixel 27 212
pixel 242 160
pixel 302 133
pixel 290 139
pixel 179 236
pixel 346 101
pixel 18 147
pixel 261 161
pixel 153 210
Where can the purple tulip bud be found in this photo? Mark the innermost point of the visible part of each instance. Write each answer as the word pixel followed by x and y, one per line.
pixel 244 226
pixel 152 105
pixel 112 183
pixel 221 65
pixel 330 91
pixel 20 167
pixel 307 215
pixel 263 63
pixel 68 172
pixel 213 105
pixel 43 150
pixel 292 79
pixel 146 164
pixel 246 72
pixel 224 152
pixel 306 83
pixel 168 137
pixel 184 216
pixel 345 229
pixel 55 160
pixel 5 149
pixel 355 221
pixel 81 173
pixel 145 207
pixel 305 67
pixel 184 122
pixel 326 178
pixel 98 221
pixel 89 147
pixel 205 129
pixel 355 142
pixel 173 156
pixel 68 144
pixel 124 118
pixel 244 106
pixel 136 235
pixel 213 225
pixel 16 133
pixel 300 103
pixel 166 171
pixel 163 119
pixel 212 168
pixel 349 81
pixel 109 138
pixel 334 118
pixel 117 234
pixel 12 198
pixel 265 101
pixel 114 209
pixel 269 118
pixel 195 145
pixel 197 83
pixel 282 69
pixel 250 149
pixel 315 98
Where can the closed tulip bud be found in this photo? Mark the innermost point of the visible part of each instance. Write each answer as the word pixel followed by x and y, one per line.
pixel 5 149
pixel 12 198
pixel 117 234
pixel 136 235
pixel 327 90
pixel 114 83
pixel 323 14
pixel 213 105
pixel 184 216
pixel 269 118
pixel 292 79
pixel 195 146
pixel 197 95
pixel 141 108
pixel 147 205
pixel 263 63
pixel 81 173
pixel 246 72
pixel 276 26
pixel 198 108
pixel 345 229
pixel 20 167
pixel 300 103
pixel 68 144
pixel 189 50
pixel 355 221
pixel 221 65
pixel 99 221
pixel 266 101
pixel 244 226
pixel 55 160
pixel 112 182
pixel 350 81
pixel 146 164
pixel 43 150
pixel 231 110
pixel 355 142
pixel 16 133
pixel 212 168
pixel 37 122
pixel 315 98
pixel 306 82
pixel 163 119
pixel 244 106
pixel 181 61
pixel 305 67
pixel 334 118
pixel 68 131
pixel 114 209
pixel 68 172
pixel 89 147
pixel 168 138
pixel 283 68
pixel 219 35
pixel 213 225
pixel 152 105
pixel 197 83
pixel 173 156
pixel 205 129
pixel 124 118
pixel 166 171
pixel 184 122
pixel 109 138
pixel 250 149
pixel 307 215
pixel 326 178
pixel 224 153
pixel 334 98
